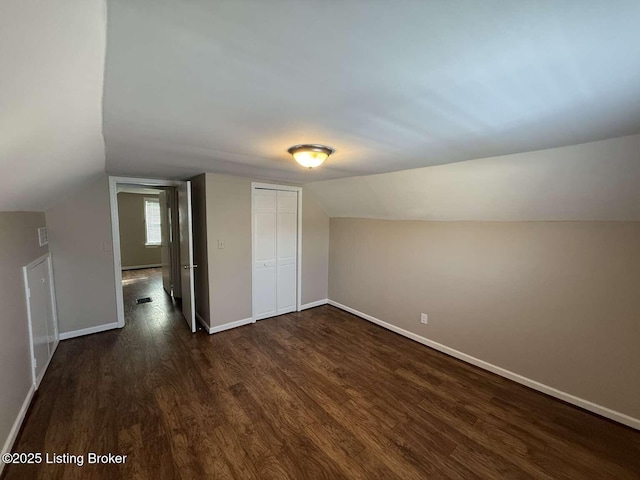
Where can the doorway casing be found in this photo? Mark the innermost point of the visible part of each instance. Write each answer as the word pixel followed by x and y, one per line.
pixel 115 229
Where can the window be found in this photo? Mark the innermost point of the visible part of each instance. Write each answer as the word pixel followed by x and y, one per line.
pixel 152 221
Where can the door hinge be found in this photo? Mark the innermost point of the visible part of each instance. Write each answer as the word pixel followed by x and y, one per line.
pixel 28 292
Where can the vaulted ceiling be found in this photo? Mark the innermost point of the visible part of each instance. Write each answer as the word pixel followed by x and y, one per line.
pixel 227 86
pixel 587 182
pixel 51 85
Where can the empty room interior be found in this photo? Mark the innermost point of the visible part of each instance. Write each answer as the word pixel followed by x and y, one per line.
pixel 299 239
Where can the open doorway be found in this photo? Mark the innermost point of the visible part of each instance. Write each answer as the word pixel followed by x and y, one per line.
pixel 148 251
pixel 152 248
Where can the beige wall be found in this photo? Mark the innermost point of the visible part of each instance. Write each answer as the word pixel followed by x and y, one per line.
pixel 82 253
pixel 315 250
pixel 200 255
pixel 556 302
pixel 228 218
pixel 228 214
pixel 133 250
pixel 18 247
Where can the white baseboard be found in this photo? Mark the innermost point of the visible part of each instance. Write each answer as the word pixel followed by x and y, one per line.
pixel 204 323
pixel 567 397
pixel 313 304
pixel 8 444
pixel 88 331
pixel 139 267
pixel 230 325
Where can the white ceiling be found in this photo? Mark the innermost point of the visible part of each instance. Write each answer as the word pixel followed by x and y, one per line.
pixel 51 78
pixel 227 86
pixel 588 182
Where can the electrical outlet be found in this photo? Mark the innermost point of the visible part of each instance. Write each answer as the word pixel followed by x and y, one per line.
pixel 423 318
pixel 220 243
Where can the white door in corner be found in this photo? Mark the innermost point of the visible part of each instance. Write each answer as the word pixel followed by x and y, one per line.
pixel 185 220
pixel 275 252
pixel 43 327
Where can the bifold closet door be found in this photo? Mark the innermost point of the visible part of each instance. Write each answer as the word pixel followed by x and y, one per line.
pixel 286 251
pixel 275 230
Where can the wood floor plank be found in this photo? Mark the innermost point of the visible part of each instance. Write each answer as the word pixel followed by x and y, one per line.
pixel 308 395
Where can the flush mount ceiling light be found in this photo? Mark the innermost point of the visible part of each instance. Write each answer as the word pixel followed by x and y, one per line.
pixel 310 155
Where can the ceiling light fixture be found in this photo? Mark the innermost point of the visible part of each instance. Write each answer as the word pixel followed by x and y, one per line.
pixel 310 155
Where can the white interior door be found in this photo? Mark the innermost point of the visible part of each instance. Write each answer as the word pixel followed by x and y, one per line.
pixel 42 321
pixel 185 220
pixel 174 246
pixel 275 240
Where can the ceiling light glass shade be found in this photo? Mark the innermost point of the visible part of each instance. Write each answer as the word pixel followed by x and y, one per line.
pixel 309 155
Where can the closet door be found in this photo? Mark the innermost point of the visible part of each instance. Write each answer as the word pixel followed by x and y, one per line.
pixel 264 253
pixel 275 252
pixel 287 251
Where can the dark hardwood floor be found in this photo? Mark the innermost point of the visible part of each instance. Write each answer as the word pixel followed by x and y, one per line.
pixel 317 394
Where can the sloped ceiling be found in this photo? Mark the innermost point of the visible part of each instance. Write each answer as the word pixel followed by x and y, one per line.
pixel 588 182
pixel 227 86
pixel 51 78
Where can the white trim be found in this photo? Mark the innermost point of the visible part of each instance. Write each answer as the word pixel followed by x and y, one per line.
pixel 138 267
pixel 27 296
pixel 8 444
pixel 567 397
pixel 115 231
pixel 190 251
pixel 319 303
pixel 286 188
pixel 230 325
pixel 115 242
pixel 54 306
pixel 146 182
pixel 204 323
pixel 37 261
pixel 89 331
pixel 274 186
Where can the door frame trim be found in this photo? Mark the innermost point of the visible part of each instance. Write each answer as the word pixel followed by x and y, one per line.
pixel 115 229
pixel 288 188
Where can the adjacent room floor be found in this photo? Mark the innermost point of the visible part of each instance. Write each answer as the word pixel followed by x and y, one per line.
pixel 317 394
